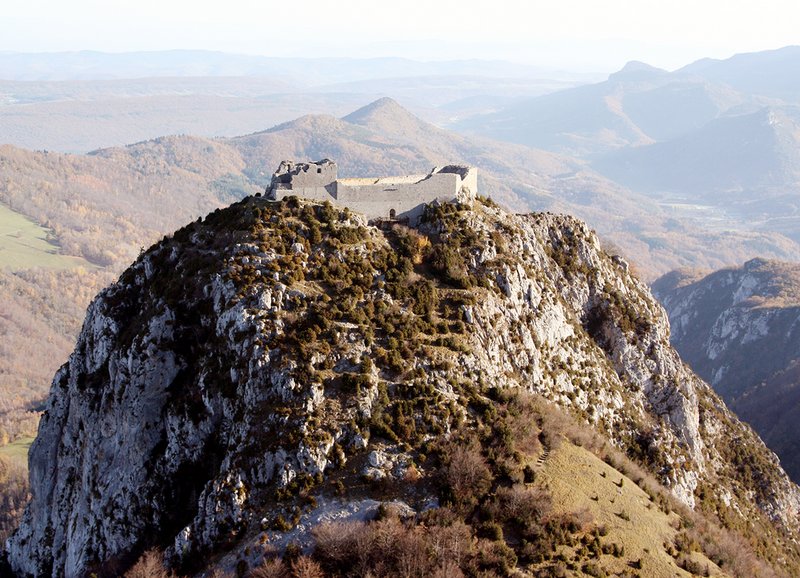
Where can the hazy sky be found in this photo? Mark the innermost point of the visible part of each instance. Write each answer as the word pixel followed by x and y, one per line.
pixel 578 34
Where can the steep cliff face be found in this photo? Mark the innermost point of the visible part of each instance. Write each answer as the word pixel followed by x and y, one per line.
pixel 249 354
pixel 739 328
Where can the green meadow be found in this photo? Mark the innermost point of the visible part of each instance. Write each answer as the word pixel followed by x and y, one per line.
pixel 24 244
pixel 18 450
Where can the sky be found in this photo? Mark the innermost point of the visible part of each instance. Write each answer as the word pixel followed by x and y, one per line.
pixel 581 35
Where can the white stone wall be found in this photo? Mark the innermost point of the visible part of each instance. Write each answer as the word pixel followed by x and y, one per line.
pixel 470 182
pixel 305 175
pixel 382 197
pixel 405 199
pixel 315 193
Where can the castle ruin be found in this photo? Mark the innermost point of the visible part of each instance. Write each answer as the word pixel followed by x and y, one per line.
pixel 401 197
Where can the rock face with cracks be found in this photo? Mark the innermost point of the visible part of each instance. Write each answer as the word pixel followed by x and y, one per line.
pixel 240 360
pixel 738 329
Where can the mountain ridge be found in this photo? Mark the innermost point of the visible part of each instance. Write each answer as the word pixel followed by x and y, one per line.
pixel 246 356
pixel 737 328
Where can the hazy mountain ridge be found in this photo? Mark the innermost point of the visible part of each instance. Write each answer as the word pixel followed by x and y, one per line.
pixel 276 344
pixel 756 73
pixel 85 125
pixel 739 157
pixel 713 143
pixel 636 106
pixel 738 328
pixel 61 66
pixel 76 102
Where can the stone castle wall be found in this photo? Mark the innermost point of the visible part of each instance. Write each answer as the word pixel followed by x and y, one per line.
pixel 401 197
pixel 398 199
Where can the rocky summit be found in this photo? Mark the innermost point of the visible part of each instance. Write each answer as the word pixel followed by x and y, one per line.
pixel 225 387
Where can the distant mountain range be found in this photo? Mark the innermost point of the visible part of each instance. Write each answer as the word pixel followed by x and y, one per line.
pixel 717 142
pixel 81 101
pixel 94 65
pixel 735 154
pixel 739 329
pixel 766 73
pixel 636 106
pixel 749 163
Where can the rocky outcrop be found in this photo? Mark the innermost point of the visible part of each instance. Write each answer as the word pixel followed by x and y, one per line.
pixel 237 363
pixel 739 328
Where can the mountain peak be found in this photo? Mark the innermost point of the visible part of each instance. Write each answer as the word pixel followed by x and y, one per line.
pixel 636 70
pixel 308 122
pixel 277 355
pixel 385 116
pixel 380 112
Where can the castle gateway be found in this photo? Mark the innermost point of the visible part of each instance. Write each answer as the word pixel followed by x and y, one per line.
pixel 376 197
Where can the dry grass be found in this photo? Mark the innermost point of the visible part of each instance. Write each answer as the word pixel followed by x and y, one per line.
pixel 579 480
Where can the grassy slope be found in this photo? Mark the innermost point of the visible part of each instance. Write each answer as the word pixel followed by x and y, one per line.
pixel 18 450
pixel 24 244
pixel 579 480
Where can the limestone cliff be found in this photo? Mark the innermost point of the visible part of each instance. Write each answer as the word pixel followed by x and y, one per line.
pixel 249 354
pixel 738 328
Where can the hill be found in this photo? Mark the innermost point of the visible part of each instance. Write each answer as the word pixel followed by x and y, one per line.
pixel 384 138
pixel 72 222
pixel 703 142
pixel 101 209
pixel 636 106
pixel 281 363
pixel 25 244
pixel 755 73
pixel 738 329
pixel 730 162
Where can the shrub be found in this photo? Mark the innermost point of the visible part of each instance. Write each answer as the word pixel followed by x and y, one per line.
pixel 449 265
pixel 450 543
pixel 521 505
pixel 467 475
pixel 447 569
pixel 496 555
pixel 305 567
pixel 491 531
pixel 272 568
pixel 149 565
pixel 692 566
pixel 593 569
pixel 337 544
